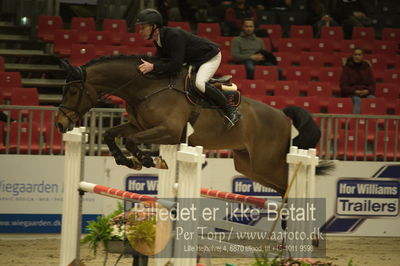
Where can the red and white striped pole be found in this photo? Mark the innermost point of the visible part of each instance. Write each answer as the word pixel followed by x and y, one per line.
pixel 121 194
pixel 236 198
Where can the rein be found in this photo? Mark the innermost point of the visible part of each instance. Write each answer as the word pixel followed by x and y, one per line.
pixel 75 109
pixel 93 102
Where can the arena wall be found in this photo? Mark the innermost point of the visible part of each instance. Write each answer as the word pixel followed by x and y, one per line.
pixel 362 198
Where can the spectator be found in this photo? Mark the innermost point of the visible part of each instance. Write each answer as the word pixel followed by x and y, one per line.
pixel 352 13
pixel 218 10
pixel 357 80
pixel 325 21
pixel 249 50
pixel 279 5
pixel 235 15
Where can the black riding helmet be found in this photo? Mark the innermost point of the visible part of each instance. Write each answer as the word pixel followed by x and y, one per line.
pixel 149 16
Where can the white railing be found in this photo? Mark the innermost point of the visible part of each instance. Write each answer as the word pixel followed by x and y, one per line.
pixel 344 137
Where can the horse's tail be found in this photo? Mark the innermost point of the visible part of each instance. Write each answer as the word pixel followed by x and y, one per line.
pixel 309 134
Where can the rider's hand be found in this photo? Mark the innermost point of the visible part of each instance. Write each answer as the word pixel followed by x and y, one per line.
pixel 146 67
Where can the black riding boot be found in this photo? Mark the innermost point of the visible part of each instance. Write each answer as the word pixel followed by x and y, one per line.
pixel 231 114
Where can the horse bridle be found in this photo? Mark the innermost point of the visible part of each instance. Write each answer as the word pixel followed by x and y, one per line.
pixel 81 92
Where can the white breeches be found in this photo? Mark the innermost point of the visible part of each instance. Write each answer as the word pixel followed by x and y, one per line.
pixel 207 71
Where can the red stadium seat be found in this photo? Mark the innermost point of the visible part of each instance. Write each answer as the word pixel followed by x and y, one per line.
pixel 351 146
pixel 180 25
pixel 63 40
pixel 115 50
pixel 321 45
pixel 266 73
pixel 2 68
pixel 209 30
pixel 340 59
pixel 385 47
pixel 340 106
pixel 368 126
pixel 149 51
pixel 278 102
pixel 310 103
pixel 300 74
pixel 391 76
pixel 24 96
pixel 132 40
pixel 347 46
pixel 321 89
pixel 237 71
pixel 224 42
pixel 116 27
pixel 386 145
pixel 254 87
pixel 285 59
pixel 291 45
pixel 24 139
pixel 332 75
pixel 226 56
pixel 332 33
pixel 83 26
pixel 99 39
pixel 301 31
pixel 286 88
pixel 378 61
pixel 390 34
pixel 313 60
pixel 82 54
pixel 47 27
pixel 387 90
pixel 10 79
pixel 373 106
pixel 274 30
pixel 363 33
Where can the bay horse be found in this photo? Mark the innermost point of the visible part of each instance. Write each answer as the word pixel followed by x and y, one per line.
pixel 158 112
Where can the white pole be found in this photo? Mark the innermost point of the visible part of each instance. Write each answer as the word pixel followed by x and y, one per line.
pixel 71 215
pixel 166 190
pixel 301 196
pixel 190 161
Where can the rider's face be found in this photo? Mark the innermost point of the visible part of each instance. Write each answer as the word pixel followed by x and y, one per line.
pixel 145 31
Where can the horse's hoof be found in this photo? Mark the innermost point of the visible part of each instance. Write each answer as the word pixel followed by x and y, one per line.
pixel 136 164
pixel 148 162
pixel 160 163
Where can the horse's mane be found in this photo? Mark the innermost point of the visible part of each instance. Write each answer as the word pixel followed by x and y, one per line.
pixel 134 58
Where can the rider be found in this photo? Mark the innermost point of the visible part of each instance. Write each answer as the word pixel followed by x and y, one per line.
pixel 180 47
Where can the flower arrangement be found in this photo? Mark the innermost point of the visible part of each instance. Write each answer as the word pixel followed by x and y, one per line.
pixel 136 226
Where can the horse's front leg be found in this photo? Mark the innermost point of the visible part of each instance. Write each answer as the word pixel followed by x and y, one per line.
pixel 157 135
pixel 109 138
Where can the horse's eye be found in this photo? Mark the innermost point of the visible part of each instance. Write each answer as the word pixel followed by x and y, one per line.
pixel 73 90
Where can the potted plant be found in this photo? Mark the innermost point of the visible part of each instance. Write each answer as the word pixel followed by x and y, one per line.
pixel 138 226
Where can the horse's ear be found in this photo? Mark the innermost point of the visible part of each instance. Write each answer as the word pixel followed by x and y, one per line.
pixel 72 71
pixel 66 65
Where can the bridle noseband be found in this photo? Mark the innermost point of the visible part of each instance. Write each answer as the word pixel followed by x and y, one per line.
pixel 82 91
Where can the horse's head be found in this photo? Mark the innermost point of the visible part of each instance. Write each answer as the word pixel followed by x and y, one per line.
pixel 77 99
